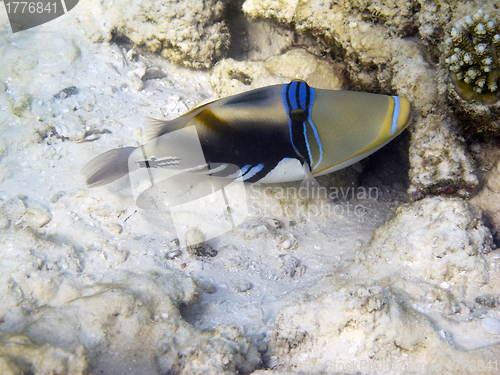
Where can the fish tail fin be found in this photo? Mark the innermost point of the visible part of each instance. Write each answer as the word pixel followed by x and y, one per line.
pixel 107 167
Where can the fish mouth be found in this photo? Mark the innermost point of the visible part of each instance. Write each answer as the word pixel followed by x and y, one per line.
pixel 409 117
pixel 409 120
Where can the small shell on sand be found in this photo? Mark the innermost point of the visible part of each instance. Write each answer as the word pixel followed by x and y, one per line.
pixel 288 242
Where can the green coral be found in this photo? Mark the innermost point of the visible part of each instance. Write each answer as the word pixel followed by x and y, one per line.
pixel 472 54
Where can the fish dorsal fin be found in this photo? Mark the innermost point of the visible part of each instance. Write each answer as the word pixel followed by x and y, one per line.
pixel 255 97
pixel 155 128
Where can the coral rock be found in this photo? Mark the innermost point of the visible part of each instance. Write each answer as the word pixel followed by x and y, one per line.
pixel 189 33
pixel 470 74
pixel 439 160
pixel 472 55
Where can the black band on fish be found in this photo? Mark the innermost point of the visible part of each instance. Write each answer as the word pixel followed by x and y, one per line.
pixel 298 99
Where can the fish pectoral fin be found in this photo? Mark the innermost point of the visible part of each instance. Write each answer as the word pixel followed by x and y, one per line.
pixel 309 184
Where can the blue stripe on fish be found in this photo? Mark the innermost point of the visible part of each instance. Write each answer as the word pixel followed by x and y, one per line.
pixel 298 95
pixel 316 135
pixel 395 115
pixel 245 169
pixel 302 94
pixel 240 172
pixel 287 102
pixel 307 144
pixel 252 172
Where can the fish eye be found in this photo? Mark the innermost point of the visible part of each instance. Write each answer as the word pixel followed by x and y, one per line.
pixel 298 115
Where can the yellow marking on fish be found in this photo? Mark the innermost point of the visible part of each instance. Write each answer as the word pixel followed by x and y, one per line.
pixel 385 132
pixel 212 122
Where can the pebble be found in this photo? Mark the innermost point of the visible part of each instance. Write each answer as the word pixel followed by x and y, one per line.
pixel 491 325
pixel 170 106
pixel 56 197
pixel 487 301
pixel 153 74
pixel 114 228
pixel 202 250
pixel 173 254
pixel 132 55
pixel 445 336
pixel 74 130
pixel 242 286
pixel 136 83
pixel 36 216
pixel 274 223
pixel 208 287
pixel 67 92
pixel 288 242
pixel 255 229
pixel 290 266
pixel 13 209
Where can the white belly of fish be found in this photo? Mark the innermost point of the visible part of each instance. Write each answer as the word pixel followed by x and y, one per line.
pixel 288 169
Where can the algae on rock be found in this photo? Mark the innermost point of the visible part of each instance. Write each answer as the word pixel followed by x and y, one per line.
pixel 19 355
pixel 440 163
pixel 190 33
pixel 230 77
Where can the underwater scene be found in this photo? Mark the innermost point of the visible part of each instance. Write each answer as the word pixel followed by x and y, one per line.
pixel 249 187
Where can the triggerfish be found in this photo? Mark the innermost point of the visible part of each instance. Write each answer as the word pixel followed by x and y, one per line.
pixel 272 134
